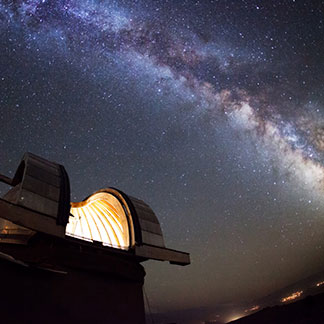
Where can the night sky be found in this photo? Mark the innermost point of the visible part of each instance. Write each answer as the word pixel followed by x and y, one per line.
pixel 212 112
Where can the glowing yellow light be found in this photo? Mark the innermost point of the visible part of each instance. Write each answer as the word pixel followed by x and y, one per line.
pixel 320 284
pixel 252 309
pixel 291 297
pixel 234 318
pixel 100 218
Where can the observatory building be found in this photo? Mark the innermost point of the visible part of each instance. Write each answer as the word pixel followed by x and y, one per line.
pixel 66 262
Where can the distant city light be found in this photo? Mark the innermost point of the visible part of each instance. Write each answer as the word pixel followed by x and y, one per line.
pixel 235 317
pixel 291 297
pixel 320 284
pixel 252 309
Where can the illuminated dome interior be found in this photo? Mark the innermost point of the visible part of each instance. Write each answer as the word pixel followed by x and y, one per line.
pixel 102 218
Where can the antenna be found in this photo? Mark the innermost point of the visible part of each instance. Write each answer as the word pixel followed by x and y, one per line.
pixel 148 305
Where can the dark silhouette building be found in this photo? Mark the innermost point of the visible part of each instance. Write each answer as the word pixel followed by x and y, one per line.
pixel 63 262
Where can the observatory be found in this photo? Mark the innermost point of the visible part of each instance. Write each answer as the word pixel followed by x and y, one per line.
pixel 66 262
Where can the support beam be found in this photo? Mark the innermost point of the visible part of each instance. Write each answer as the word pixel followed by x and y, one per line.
pixel 5 179
pixel 162 254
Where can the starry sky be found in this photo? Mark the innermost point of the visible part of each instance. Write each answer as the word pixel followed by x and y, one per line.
pixel 212 112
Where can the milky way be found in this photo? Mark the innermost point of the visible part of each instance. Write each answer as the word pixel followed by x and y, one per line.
pixel 234 89
pixel 176 61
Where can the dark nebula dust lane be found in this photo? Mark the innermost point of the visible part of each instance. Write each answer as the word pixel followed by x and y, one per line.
pixel 220 96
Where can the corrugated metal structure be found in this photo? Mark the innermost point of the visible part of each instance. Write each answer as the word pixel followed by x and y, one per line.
pixel 41 186
pixel 102 240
